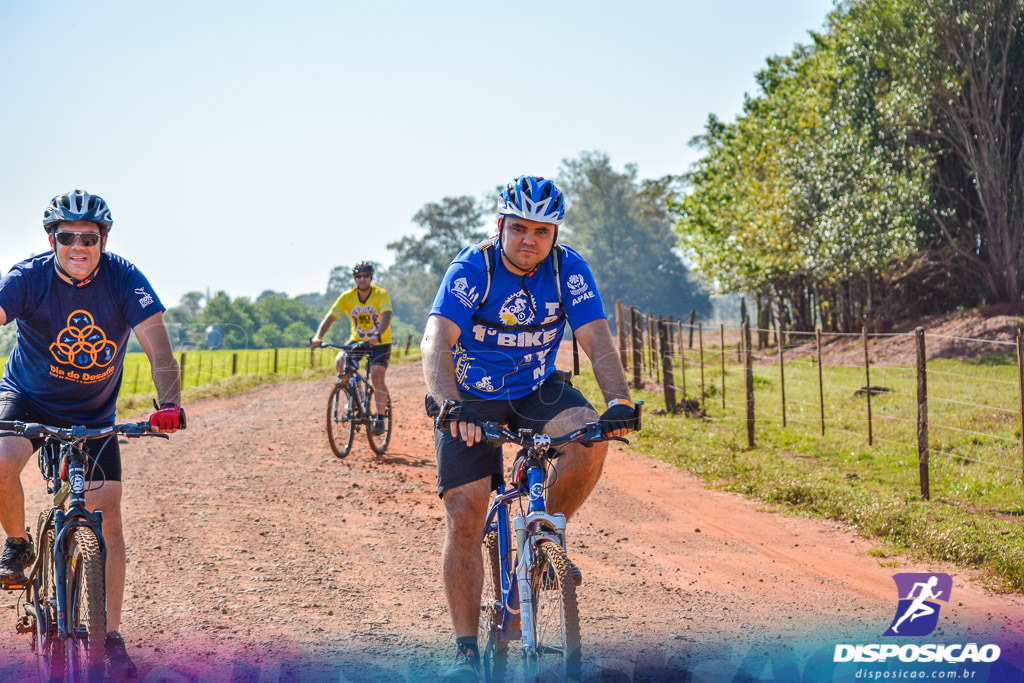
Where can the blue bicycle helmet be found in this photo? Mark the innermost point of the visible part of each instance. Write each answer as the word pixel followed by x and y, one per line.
pixel 77 205
pixel 533 198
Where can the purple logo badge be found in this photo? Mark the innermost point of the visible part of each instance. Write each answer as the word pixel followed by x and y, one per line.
pixel 918 611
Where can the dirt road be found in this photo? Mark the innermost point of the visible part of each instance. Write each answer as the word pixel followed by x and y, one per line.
pixel 256 555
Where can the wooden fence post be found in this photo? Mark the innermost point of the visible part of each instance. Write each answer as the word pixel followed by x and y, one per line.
pixel 656 346
pixel 682 363
pixel 782 377
pixel 867 377
pixel 275 361
pixel 312 355
pixel 408 343
pixel 693 317
pixel 135 383
pixel 922 413
pixel 721 335
pixel 666 365
pixel 821 388
pixel 1020 381
pixel 700 341
pixel 749 382
pixel 234 364
pixel 636 334
pixel 181 368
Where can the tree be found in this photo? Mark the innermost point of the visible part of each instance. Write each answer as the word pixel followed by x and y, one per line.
pixel 622 228
pixel 451 224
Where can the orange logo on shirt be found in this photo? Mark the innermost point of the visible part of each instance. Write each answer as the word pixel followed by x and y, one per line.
pixel 83 344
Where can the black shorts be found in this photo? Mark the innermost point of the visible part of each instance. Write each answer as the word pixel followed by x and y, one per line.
pixel 380 354
pixel 458 463
pixel 104 454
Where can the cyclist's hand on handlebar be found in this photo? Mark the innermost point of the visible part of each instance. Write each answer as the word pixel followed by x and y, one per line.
pixel 461 420
pixel 168 419
pixel 618 420
pixel 315 341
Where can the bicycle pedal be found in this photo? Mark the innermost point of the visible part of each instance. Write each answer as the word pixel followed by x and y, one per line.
pixel 13 586
pixel 23 625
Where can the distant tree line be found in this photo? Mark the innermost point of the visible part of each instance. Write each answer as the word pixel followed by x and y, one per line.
pixel 879 170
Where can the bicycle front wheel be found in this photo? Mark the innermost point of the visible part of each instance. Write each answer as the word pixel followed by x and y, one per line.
pixel 48 647
pixel 556 618
pixel 494 647
pixel 340 427
pixel 86 609
pixel 378 442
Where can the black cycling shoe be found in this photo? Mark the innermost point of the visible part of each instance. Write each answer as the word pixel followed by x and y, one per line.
pixel 120 666
pixel 17 555
pixel 378 426
pixel 465 668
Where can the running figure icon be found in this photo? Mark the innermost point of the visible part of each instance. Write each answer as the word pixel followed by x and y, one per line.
pixel 918 608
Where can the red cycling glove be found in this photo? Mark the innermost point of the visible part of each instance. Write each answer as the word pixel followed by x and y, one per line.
pixel 169 416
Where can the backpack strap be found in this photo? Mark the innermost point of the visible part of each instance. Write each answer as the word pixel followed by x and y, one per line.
pixel 486 248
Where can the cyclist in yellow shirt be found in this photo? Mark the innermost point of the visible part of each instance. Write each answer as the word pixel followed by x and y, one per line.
pixel 369 310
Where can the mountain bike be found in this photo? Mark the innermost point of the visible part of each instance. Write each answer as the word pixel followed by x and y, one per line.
pixel 529 591
pixel 64 606
pixel 352 406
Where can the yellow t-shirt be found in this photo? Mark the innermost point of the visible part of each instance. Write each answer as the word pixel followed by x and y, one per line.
pixel 364 315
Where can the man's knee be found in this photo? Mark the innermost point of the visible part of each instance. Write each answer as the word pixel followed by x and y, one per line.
pixel 14 454
pixel 465 508
pixel 570 419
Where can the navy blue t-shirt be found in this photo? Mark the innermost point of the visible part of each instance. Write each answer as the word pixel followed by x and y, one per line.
pixel 71 340
pixel 490 362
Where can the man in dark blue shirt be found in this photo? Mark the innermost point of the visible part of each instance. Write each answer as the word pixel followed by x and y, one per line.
pixel 76 306
pixel 490 346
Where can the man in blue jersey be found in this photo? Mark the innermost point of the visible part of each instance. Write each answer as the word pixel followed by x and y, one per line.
pixel 76 306
pixel 490 346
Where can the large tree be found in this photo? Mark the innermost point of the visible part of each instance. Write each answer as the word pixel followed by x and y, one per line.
pixel 621 227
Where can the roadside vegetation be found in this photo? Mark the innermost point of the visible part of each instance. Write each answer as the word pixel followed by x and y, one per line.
pixel 974 516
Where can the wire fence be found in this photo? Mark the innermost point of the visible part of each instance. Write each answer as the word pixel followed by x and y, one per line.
pixel 883 388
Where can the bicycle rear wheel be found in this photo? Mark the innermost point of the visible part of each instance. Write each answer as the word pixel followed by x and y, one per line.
pixel 494 647
pixel 556 618
pixel 378 442
pixel 86 609
pixel 48 647
pixel 340 427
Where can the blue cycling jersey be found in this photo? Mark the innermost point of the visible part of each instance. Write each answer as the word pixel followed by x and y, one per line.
pixel 492 362
pixel 71 340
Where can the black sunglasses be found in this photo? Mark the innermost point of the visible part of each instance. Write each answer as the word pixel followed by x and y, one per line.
pixel 360 276
pixel 66 239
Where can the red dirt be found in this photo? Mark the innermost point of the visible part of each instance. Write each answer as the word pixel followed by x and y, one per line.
pixel 251 547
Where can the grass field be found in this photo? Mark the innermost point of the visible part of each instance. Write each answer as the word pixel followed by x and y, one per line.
pixel 974 515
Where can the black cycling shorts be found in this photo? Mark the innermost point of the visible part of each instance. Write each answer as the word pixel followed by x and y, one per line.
pixel 459 463
pixel 380 354
pixel 104 454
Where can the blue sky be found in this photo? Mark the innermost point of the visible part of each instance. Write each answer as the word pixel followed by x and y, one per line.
pixel 245 146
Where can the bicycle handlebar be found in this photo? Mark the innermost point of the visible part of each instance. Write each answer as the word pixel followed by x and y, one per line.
pixel 347 347
pixel 69 434
pixel 588 433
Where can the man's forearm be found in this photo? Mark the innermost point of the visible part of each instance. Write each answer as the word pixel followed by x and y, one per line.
pixel 439 371
pixel 325 325
pixel 167 379
pixel 608 369
pixel 385 322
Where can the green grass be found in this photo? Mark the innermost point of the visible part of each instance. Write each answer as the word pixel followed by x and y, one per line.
pixel 974 516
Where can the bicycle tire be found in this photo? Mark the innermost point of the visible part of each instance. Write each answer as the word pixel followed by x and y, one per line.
pixel 85 592
pixel 378 442
pixel 48 647
pixel 341 429
pixel 494 647
pixel 556 619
